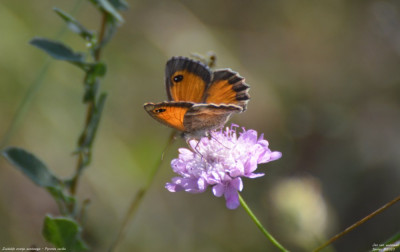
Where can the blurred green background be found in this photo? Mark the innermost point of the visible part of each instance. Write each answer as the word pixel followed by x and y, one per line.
pixel 325 91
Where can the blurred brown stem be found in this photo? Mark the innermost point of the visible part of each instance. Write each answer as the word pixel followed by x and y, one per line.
pixel 101 36
pixel 358 223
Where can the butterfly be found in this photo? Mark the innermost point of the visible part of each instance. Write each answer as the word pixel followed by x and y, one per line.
pixel 199 100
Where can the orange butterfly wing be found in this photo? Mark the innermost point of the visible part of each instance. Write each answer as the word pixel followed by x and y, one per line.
pixel 169 113
pixel 199 100
pixel 227 87
pixel 186 79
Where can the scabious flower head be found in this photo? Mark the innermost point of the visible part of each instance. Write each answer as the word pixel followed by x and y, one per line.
pixel 220 161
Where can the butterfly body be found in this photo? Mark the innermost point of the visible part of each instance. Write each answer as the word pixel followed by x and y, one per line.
pixel 199 100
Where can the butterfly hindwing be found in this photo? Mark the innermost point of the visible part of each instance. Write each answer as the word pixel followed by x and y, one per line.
pixel 169 113
pixel 205 117
pixel 227 87
pixel 186 79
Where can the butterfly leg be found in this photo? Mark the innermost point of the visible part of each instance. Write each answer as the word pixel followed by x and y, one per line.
pixel 195 149
pixel 210 136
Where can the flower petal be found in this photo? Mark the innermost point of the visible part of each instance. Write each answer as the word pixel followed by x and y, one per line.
pixel 232 198
pixel 237 170
pixel 275 155
pixel 237 184
pixel 251 165
pixel 220 161
pixel 255 175
pixel 218 190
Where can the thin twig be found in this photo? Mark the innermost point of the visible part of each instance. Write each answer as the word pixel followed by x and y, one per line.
pixel 101 36
pixel 358 223
pixel 138 198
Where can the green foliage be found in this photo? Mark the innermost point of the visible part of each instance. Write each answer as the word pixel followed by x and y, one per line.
pixel 97 70
pixel 75 26
pixel 94 122
pixel 57 50
pixel 63 233
pixel 393 242
pixel 119 4
pixel 107 7
pixel 38 172
pixel 32 167
pixel 93 72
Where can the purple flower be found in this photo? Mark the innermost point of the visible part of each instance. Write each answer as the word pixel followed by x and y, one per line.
pixel 220 161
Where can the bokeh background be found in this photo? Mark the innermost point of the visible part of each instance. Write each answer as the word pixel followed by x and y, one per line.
pixel 325 91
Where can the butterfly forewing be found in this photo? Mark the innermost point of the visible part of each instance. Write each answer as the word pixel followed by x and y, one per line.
pixel 227 87
pixel 186 80
pixel 169 113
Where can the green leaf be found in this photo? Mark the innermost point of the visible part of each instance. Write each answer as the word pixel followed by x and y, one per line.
pixel 90 91
pixel 32 167
pixel 57 50
pixel 392 243
pixel 63 232
pixel 62 199
pixel 95 119
pixel 119 4
pixel 107 7
pixel 94 71
pixel 74 25
pixel 99 69
pixel 89 133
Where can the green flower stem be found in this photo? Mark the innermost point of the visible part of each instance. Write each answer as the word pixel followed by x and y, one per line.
pixel 138 198
pixel 259 225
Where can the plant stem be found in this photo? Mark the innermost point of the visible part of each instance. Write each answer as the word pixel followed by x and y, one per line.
pixel 259 225
pixel 358 223
pixel 101 37
pixel 84 153
pixel 138 198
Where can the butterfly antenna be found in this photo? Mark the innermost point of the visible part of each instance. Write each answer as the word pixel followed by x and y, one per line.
pixel 209 60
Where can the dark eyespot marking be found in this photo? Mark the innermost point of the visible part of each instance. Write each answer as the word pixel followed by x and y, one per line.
pixel 159 110
pixel 178 78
